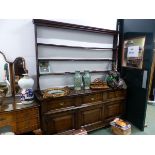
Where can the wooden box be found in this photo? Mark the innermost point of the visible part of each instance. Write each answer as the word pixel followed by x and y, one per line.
pixel 119 131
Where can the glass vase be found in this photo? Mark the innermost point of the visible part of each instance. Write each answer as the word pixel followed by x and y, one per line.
pixel 86 79
pixel 77 80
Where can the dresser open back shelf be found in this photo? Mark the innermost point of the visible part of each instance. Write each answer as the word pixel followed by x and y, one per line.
pixel 67 48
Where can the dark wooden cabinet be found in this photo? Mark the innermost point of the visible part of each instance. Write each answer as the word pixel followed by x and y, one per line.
pixel 89 109
pixel 81 47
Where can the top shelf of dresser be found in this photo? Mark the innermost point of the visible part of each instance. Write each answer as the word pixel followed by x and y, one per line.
pixel 49 23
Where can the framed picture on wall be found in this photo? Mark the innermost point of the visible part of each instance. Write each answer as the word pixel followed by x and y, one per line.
pixel 44 67
pixel 133 51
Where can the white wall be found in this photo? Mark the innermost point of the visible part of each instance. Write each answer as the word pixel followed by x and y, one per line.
pixel 17 38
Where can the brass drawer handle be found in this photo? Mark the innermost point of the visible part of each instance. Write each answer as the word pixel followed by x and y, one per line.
pixel 61 103
pixel 92 99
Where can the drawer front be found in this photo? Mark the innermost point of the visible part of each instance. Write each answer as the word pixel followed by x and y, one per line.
pixel 120 93
pixel 111 94
pixel 92 98
pixel 8 119
pixel 27 114
pixel 27 120
pixel 116 94
pixel 58 103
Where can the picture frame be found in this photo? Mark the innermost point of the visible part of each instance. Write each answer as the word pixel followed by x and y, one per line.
pixel 133 51
pixel 44 67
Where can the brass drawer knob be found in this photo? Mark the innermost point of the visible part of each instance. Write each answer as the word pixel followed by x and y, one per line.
pixel 61 103
pixel 92 99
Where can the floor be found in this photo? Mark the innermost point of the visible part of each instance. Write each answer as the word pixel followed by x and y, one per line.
pixel 149 130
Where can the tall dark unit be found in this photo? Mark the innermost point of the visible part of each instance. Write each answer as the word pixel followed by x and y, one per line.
pixel 137 79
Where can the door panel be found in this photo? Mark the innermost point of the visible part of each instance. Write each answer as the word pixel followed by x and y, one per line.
pixel 57 123
pixel 136 106
pixel 113 109
pixel 91 117
pixel 136 94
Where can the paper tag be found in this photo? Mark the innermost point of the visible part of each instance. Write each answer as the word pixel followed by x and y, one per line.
pixel 133 51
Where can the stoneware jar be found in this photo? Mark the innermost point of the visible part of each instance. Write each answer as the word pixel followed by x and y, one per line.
pixel 86 79
pixel 26 83
pixel 77 80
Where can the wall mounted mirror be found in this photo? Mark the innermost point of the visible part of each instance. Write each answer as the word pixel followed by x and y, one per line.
pixel 19 67
pixel 5 77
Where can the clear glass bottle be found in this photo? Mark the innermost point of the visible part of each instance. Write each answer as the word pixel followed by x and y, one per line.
pixel 86 79
pixel 77 80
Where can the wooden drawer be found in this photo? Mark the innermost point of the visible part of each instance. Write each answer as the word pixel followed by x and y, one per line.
pixel 92 98
pixel 8 119
pixel 116 94
pixel 120 93
pixel 111 94
pixel 58 103
pixel 27 114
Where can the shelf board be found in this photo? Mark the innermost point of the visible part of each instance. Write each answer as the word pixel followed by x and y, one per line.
pixel 70 73
pixel 75 59
pixel 55 24
pixel 78 47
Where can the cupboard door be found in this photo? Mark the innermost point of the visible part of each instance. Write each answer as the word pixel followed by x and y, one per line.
pixel 58 122
pixel 113 109
pixel 91 117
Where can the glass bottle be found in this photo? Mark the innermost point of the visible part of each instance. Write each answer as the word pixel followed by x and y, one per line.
pixel 77 80
pixel 86 79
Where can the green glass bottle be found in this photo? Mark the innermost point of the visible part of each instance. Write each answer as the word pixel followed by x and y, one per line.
pixel 77 80
pixel 86 79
